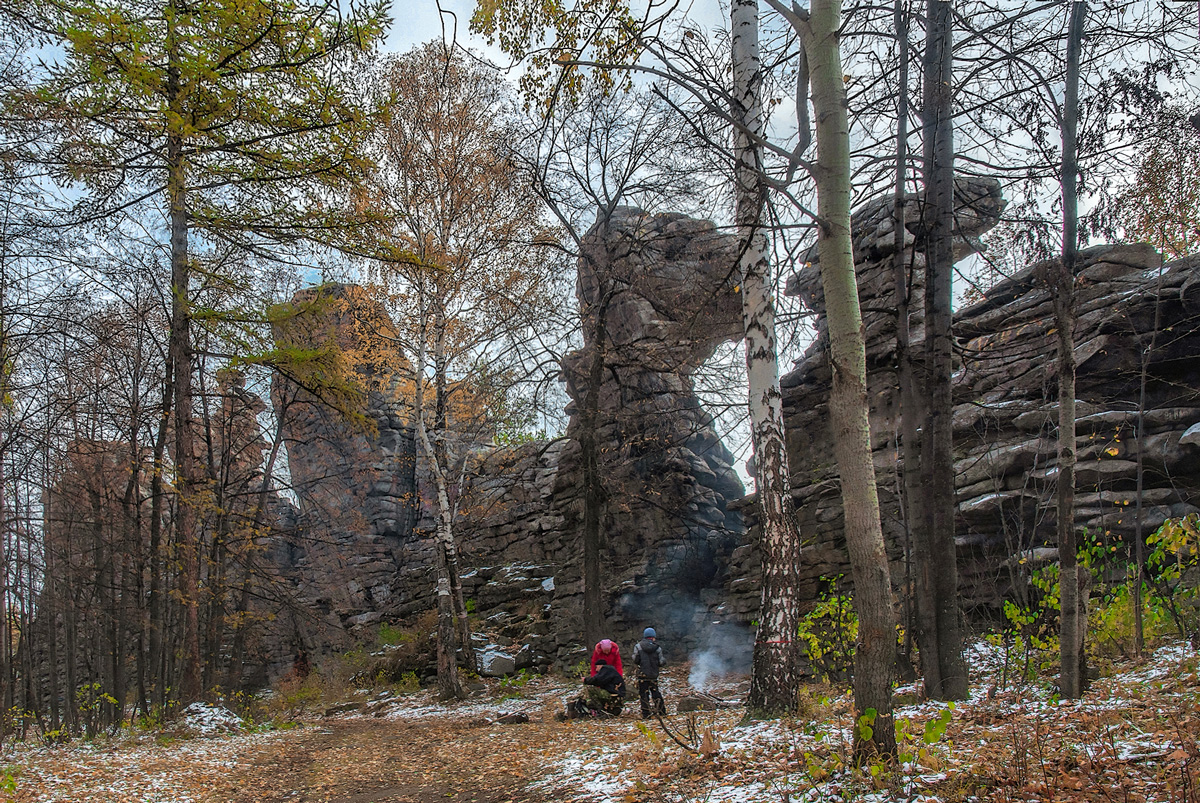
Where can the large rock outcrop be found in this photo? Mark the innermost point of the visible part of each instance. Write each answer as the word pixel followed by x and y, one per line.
pixel 656 297
pixel 343 403
pixel 1005 406
pixel 660 289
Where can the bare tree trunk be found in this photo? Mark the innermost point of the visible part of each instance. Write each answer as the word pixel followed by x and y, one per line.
pixel 117 636
pixel 132 505
pixel 217 469
pixel 154 604
pixel 6 696
pixel 129 557
pixel 449 684
pixel 446 507
pixel 593 483
pixel 775 680
pixel 214 635
pixel 6 675
pixel 237 650
pixel 70 646
pixel 102 623
pixel 33 694
pixel 911 410
pixel 940 631
pixel 49 613
pixel 1139 537
pixel 181 359
pixel 220 466
pixel 875 653
pixel 1073 623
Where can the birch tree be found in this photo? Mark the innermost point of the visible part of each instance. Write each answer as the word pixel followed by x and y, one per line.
pixel 775 677
pixel 461 247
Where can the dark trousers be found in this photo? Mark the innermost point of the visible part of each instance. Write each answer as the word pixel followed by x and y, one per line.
pixel 648 688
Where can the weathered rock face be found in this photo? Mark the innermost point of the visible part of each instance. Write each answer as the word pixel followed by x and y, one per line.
pixel 978 204
pixel 656 301
pixel 514 545
pixel 1005 407
pixel 1135 347
pixel 657 296
pixel 352 464
pixel 361 551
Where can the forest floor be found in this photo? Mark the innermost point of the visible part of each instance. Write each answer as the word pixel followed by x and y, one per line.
pixel 1134 737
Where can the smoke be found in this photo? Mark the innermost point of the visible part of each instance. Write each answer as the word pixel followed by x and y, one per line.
pixel 726 648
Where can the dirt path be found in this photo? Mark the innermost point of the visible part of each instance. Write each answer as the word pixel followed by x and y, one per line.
pixel 392 761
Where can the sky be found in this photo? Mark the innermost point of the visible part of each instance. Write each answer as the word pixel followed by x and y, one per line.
pixel 418 21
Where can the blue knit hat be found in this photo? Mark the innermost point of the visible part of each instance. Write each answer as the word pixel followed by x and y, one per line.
pixel 649 633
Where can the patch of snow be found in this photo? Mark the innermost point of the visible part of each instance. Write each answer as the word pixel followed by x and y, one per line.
pixel 145 772
pixel 592 774
pixel 206 720
pixel 741 793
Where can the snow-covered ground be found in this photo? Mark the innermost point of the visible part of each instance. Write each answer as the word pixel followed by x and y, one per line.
pixel 139 769
pixel 1132 738
pixel 801 762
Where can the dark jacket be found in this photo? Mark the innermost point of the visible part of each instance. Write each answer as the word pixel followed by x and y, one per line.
pixel 647 657
pixel 609 679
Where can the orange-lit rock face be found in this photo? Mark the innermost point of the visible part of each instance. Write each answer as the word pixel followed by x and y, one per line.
pixel 346 411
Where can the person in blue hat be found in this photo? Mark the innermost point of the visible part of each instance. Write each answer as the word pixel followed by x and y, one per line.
pixel 647 661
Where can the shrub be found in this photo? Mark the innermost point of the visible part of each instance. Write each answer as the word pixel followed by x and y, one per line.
pixel 407 683
pixel 829 632
pixel 1029 637
pixel 407 650
pixel 1169 590
pixel 294 696
pixel 391 635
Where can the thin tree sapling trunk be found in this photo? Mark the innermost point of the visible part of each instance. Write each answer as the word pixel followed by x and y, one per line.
pixel 1073 622
pixel 448 681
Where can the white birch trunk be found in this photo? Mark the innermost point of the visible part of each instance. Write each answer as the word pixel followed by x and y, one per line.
pixel 775 679
pixel 449 684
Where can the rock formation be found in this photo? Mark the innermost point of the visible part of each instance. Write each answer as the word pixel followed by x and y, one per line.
pixel 657 297
pixel 1005 410
pixel 656 300
pixel 342 401
pixel 361 550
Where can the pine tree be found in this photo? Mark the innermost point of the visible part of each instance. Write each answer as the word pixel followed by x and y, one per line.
pixel 235 117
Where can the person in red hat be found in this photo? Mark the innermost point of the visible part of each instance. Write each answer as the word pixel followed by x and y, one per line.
pixel 607 651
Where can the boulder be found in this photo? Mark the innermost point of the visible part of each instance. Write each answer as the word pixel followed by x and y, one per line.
pixel 495 663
